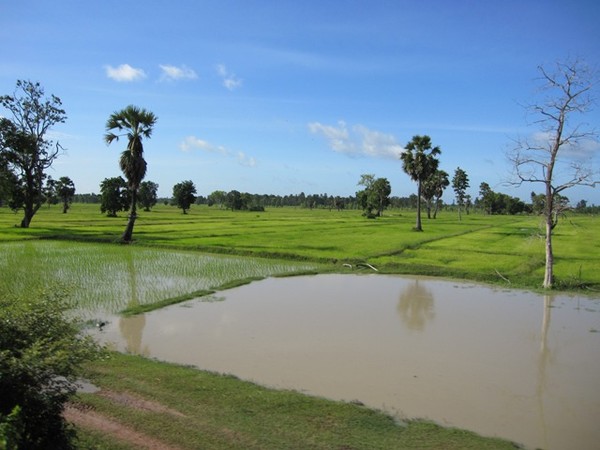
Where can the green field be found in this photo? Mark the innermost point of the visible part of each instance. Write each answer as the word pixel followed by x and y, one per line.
pixel 507 250
pixel 176 256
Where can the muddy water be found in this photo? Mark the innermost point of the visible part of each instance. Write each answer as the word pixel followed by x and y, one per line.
pixel 502 363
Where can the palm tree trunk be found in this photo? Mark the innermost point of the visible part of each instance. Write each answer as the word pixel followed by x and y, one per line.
pixel 128 233
pixel 418 226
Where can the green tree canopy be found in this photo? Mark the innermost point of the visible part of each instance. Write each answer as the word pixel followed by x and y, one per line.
pixel 184 195
pixel 24 145
pixel 114 196
pixel 148 195
pixel 234 200
pixel 433 189
pixel 375 196
pixel 65 191
pixel 217 198
pixel 460 183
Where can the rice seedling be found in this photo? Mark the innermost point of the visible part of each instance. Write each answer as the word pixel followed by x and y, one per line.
pixel 109 278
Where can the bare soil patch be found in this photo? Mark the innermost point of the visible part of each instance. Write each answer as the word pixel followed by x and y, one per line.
pixel 86 417
pixel 131 401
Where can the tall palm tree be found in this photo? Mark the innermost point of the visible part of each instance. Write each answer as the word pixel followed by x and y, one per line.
pixel 135 123
pixel 419 162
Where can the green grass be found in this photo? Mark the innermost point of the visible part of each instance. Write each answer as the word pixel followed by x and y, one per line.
pixel 484 248
pixel 222 412
pixel 108 278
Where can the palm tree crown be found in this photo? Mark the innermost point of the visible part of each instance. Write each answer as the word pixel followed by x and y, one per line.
pixel 137 123
pixel 418 164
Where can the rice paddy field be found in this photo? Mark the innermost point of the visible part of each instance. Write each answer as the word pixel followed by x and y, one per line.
pixel 109 278
pixel 176 256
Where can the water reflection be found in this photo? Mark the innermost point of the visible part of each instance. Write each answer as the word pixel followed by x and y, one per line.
pixel 505 363
pixel 544 359
pixel 416 305
pixel 132 330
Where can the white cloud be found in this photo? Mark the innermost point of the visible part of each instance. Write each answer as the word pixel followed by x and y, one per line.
pixel 172 73
pixel 193 143
pixel 229 79
pixel 245 160
pixel 358 141
pixel 124 72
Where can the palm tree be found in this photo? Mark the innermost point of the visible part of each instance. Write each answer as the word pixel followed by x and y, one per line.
pixel 419 162
pixel 135 123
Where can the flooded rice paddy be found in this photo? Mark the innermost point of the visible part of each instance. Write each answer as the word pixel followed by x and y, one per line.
pixel 505 363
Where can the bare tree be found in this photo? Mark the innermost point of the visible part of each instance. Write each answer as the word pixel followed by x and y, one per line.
pixel 559 156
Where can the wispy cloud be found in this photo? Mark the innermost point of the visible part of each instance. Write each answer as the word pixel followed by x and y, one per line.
pixel 582 149
pixel 358 140
pixel 124 73
pixel 229 79
pixel 193 143
pixel 173 73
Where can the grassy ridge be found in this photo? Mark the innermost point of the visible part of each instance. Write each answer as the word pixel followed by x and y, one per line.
pixel 222 412
pixel 485 248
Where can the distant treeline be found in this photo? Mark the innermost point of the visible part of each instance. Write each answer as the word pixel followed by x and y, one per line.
pixel 220 198
pixel 497 204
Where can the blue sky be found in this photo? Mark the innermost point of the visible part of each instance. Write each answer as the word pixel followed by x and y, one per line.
pixel 286 97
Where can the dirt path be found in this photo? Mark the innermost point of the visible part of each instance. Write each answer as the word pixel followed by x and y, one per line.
pixel 87 418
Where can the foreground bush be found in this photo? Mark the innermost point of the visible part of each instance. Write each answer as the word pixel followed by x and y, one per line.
pixel 41 350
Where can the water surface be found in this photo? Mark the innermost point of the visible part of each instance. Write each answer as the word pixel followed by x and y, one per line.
pixel 502 363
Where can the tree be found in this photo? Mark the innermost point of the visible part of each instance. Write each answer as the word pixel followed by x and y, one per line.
pixel 114 196
pixel 148 195
pixel 183 195
pixel 433 189
pixel 362 197
pixel 217 198
pixel 135 123
pixel 558 156
pixel 498 203
pixel 379 196
pixel 460 183
pixel 419 162
pixel 24 145
pixel 65 191
pixel 375 196
pixel 50 193
pixel 486 197
pixel 234 200
pixel 581 205
pixel 41 352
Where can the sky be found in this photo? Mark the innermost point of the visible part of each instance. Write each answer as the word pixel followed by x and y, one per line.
pixel 282 97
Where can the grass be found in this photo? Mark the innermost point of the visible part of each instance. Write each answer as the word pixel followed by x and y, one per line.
pixel 492 249
pixel 109 278
pixel 222 412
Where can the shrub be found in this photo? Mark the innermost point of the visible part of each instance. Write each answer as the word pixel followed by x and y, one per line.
pixel 41 351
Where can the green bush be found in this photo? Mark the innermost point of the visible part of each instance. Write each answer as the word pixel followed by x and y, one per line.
pixel 41 350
